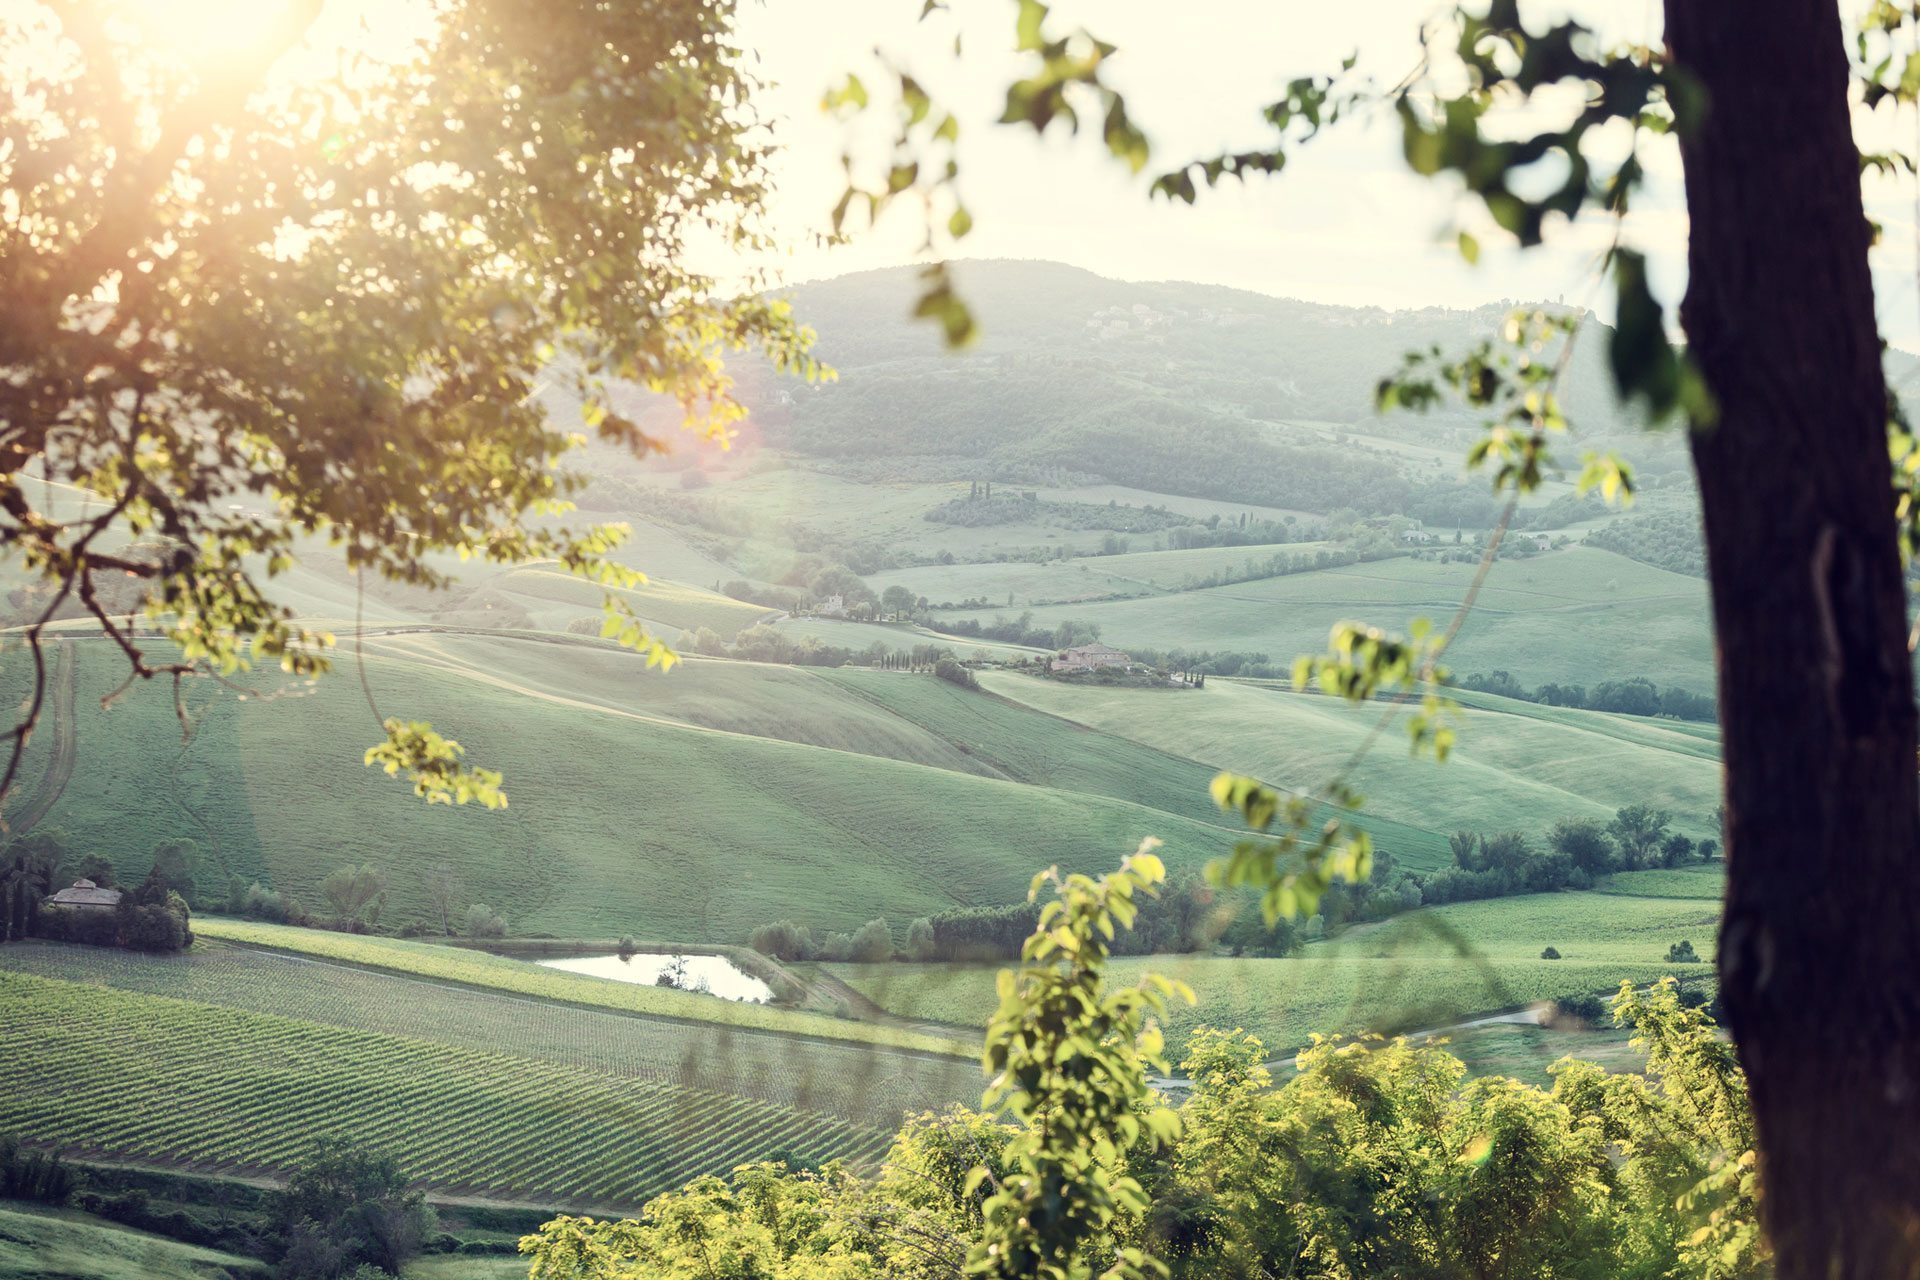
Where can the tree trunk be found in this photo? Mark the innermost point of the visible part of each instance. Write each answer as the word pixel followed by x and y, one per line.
pixel 1820 946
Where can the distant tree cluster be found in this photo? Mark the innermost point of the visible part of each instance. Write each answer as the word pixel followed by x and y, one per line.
pixel 980 511
pixel 1665 539
pixel 154 915
pixel 1245 530
pixel 1635 696
pixel 1188 916
pixel 1021 630
pixel 871 943
pixel 1462 505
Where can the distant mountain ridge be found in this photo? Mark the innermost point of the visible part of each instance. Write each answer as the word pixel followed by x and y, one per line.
pixel 1175 387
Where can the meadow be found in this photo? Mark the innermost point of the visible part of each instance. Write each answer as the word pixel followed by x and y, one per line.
pixel 473 1104
pixel 1416 972
pixel 1577 615
pixel 1519 770
pixel 41 1243
pixel 620 822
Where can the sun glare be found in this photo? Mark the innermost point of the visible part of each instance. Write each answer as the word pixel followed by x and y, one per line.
pixel 222 33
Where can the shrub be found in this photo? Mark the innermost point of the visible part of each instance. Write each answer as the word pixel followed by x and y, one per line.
pixel 261 903
pixel 871 943
pixel 1682 952
pixel 920 943
pixel 783 940
pixel 1588 1009
pixel 951 670
pixel 484 922
pixel 1551 953
pixel 33 1175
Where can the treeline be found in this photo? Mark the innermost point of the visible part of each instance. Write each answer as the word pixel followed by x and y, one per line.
pixel 357 896
pixel 1244 531
pixel 1282 563
pixel 1573 855
pixel 1188 916
pixel 1021 630
pixel 1665 539
pixel 1459 505
pixel 1026 507
pixel 1636 696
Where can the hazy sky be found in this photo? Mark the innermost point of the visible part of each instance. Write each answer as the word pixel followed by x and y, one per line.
pixel 1345 223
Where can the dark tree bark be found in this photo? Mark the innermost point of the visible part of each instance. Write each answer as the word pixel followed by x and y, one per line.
pixel 1820 946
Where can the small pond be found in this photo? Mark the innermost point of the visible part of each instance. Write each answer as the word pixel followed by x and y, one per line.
pixel 709 975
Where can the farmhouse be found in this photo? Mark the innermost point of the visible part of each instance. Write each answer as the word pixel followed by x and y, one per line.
pixel 85 895
pixel 1090 657
pixel 834 606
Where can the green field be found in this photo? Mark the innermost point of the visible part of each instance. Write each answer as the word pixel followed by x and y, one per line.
pixel 39 1243
pixel 1517 770
pixel 1577 615
pixel 1708 882
pixel 1132 573
pixel 638 798
pixel 477 1094
pixel 1421 971
pixel 621 822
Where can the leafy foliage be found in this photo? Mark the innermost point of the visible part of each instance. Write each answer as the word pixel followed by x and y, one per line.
pixel 1068 1060
pixel 332 323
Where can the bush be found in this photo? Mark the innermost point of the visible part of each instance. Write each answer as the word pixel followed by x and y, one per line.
pixel 1682 952
pixel 920 944
pixel 1551 953
pixel 872 943
pixel 89 926
pixel 1588 1009
pixel 951 670
pixel 783 940
pixel 484 922
pixel 33 1175
pixel 347 1207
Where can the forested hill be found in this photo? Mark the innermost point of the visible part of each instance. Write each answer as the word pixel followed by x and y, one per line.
pixel 1180 388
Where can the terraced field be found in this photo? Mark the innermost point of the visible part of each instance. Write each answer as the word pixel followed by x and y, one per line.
pixel 478 1094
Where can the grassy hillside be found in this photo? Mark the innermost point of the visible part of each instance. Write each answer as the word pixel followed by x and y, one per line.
pixel 621 822
pixel 1576 615
pixel 1506 771
pixel 1018 742
pixel 39 1243
pixel 1414 972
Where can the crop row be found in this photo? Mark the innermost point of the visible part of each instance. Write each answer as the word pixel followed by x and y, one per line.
pixel 158 1079
pixel 857 1083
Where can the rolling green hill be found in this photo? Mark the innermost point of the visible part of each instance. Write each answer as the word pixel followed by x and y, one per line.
pixel 621 821
pixel 1578 616
pixel 1506 771
pixel 701 803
